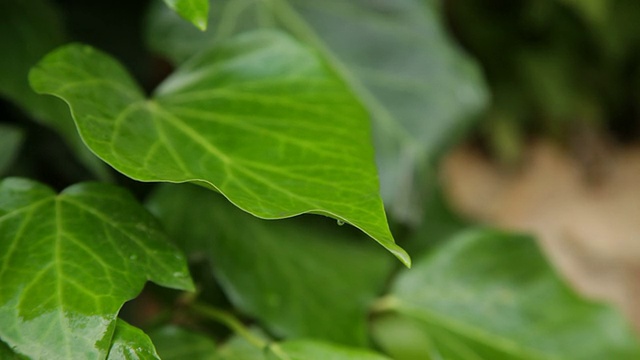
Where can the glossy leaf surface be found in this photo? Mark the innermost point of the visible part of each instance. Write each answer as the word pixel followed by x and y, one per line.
pixel 195 11
pixel 261 119
pixel 174 343
pixel 131 343
pixel 68 262
pixel 419 87
pixel 288 274
pixel 490 295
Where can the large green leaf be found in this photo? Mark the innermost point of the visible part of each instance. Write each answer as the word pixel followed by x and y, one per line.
pixel 28 30
pixel 131 343
pixel 10 141
pixel 68 262
pixel 301 279
pixel 490 295
pixel 418 85
pixel 195 11
pixel 261 119
pixel 174 343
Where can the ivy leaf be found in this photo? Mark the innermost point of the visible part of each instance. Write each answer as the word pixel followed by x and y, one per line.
pixel 174 343
pixel 10 141
pixel 490 295
pixel 420 88
pixel 131 343
pixel 28 30
pixel 195 11
pixel 266 269
pixel 68 262
pixel 261 119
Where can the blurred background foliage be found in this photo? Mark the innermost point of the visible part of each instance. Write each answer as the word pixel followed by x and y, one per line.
pixel 562 69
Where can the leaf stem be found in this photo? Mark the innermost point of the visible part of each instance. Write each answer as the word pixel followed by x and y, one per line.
pixel 384 304
pixel 229 320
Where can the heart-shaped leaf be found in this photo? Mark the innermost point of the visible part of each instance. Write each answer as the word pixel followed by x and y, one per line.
pixel 68 262
pixel 396 55
pixel 491 295
pixel 195 11
pixel 261 118
pixel 266 267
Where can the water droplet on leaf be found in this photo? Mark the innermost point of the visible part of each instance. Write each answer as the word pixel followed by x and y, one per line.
pixel 340 222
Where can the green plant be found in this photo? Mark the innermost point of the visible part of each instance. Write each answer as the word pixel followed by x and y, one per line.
pixel 271 108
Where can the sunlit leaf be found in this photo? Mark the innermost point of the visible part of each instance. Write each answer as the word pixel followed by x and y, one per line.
pixel 420 88
pixel 68 262
pixel 131 343
pixel 261 119
pixel 288 274
pixel 491 295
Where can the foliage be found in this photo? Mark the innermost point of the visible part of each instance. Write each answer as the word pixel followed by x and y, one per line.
pixel 279 109
pixel 564 65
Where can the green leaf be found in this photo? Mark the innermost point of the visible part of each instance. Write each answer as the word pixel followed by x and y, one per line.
pixel 491 295
pixel 239 349
pixel 195 11
pixel 174 343
pixel 68 262
pixel 419 86
pixel 261 119
pixel 265 266
pixel 28 30
pixel 131 343
pixel 316 350
pixel 10 141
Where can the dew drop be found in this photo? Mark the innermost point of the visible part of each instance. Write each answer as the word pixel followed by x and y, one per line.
pixel 133 257
pixel 340 222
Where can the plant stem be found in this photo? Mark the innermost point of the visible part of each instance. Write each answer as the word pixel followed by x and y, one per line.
pixel 229 320
pixel 384 304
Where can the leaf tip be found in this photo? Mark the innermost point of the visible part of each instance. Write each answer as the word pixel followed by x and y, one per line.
pixel 200 23
pixel 402 255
